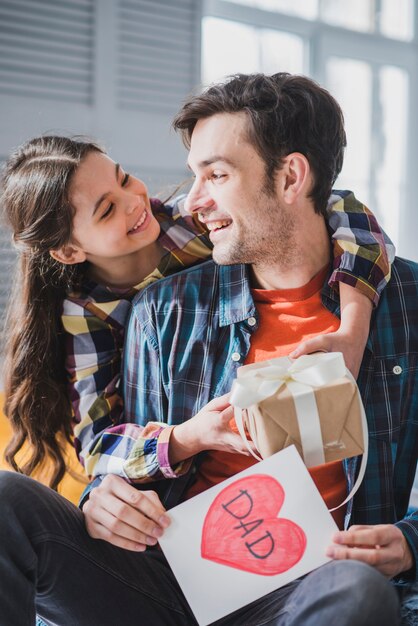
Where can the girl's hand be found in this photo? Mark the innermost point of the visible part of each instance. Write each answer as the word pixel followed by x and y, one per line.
pixel 351 337
pixel 209 429
pixel 120 514
pixel 340 341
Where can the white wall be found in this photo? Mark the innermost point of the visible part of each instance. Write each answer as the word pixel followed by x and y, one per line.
pixel 116 70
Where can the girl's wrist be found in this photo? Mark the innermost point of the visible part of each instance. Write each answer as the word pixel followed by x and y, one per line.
pixel 183 443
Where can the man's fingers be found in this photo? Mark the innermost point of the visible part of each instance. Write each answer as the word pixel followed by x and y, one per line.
pixel 382 546
pixel 381 535
pixel 120 514
pixel 116 495
pixel 372 556
pixel 103 533
pixel 104 525
pixel 120 524
pixel 119 542
pixel 148 503
pixel 152 507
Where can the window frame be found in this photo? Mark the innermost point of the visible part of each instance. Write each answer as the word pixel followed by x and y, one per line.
pixel 326 40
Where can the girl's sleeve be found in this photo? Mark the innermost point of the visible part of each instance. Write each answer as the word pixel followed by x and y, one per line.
pixel 104 442
pixel 363 253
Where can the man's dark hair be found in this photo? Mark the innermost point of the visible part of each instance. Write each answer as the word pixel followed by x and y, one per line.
pixel 286 113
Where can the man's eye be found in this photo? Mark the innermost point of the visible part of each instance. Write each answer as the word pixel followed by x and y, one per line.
pixel 107 212
pixel 125 180
pixel 217 176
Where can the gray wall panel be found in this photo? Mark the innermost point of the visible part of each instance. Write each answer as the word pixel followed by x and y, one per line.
pixel 116 70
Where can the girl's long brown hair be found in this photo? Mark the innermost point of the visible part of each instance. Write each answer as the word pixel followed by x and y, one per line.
pixel 35 201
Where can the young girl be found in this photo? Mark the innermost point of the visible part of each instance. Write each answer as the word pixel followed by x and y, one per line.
pixel 89 239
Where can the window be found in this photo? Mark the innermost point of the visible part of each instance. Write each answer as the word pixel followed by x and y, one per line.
pixel 302 8
pixel 367 57
pixel 258 49
pixel 389 18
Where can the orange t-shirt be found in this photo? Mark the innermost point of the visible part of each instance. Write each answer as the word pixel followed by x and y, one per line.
pixel 286 317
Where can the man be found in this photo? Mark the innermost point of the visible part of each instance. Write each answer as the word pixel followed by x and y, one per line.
pixel 265 152
pixel 194 330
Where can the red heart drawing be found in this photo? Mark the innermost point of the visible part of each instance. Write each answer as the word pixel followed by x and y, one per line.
pixel 242 530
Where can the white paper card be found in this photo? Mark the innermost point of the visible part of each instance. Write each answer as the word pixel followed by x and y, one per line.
pixel 248 536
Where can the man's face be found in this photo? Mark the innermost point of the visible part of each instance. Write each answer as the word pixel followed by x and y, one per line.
pixel 246 218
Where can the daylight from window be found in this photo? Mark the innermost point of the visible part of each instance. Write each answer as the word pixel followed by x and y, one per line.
pixel 349 53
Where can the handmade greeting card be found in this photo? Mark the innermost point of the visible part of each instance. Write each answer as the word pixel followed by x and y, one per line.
pixel 248 536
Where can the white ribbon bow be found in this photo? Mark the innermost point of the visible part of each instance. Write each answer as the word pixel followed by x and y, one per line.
pixel 300 377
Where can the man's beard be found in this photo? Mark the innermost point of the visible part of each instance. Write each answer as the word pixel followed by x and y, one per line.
pixel 271 242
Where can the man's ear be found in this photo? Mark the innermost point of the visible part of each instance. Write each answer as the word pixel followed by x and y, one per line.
pixel 296 177
pixel 69 254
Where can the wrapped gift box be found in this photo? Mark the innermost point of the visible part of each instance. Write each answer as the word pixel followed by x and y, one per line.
pixel 313 403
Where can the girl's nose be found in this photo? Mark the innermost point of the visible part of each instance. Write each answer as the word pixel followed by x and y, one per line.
pixel 132 203
pixel 135 195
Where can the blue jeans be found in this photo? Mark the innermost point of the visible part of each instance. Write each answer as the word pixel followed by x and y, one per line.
pixel 50 566
pixel 409 607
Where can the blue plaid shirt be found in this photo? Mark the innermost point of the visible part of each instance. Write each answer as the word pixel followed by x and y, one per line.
pixel 188 334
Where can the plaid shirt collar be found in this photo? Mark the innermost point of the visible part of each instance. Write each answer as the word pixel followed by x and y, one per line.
pixel 236 303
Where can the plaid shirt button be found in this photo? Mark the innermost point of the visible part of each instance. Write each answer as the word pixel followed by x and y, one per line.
pixel 235 356
pixel 397 369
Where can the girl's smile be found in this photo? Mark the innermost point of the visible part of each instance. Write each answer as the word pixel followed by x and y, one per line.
pixel 142 223
pixel 113 225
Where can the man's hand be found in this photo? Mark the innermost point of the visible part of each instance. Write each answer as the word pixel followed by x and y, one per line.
pixel 383 546
pixel 209 429
pixel 124 516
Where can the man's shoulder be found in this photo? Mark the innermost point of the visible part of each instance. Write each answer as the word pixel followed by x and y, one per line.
pixel 402 290
pixel 408 264
pixel 394 326
pixel 404 276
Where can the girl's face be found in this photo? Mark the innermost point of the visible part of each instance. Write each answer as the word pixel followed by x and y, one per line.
pixel 113 217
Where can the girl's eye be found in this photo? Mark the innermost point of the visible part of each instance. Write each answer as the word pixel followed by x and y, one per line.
pixel 107 212
pixel 125 180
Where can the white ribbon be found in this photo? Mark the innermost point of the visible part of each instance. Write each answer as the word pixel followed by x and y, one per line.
pixel 300 377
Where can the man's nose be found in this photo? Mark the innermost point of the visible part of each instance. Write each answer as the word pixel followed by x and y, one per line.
pixel 198 198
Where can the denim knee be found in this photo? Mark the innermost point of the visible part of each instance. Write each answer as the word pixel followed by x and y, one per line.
pixel 368 591
pixel 344 592
pixel 367 579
